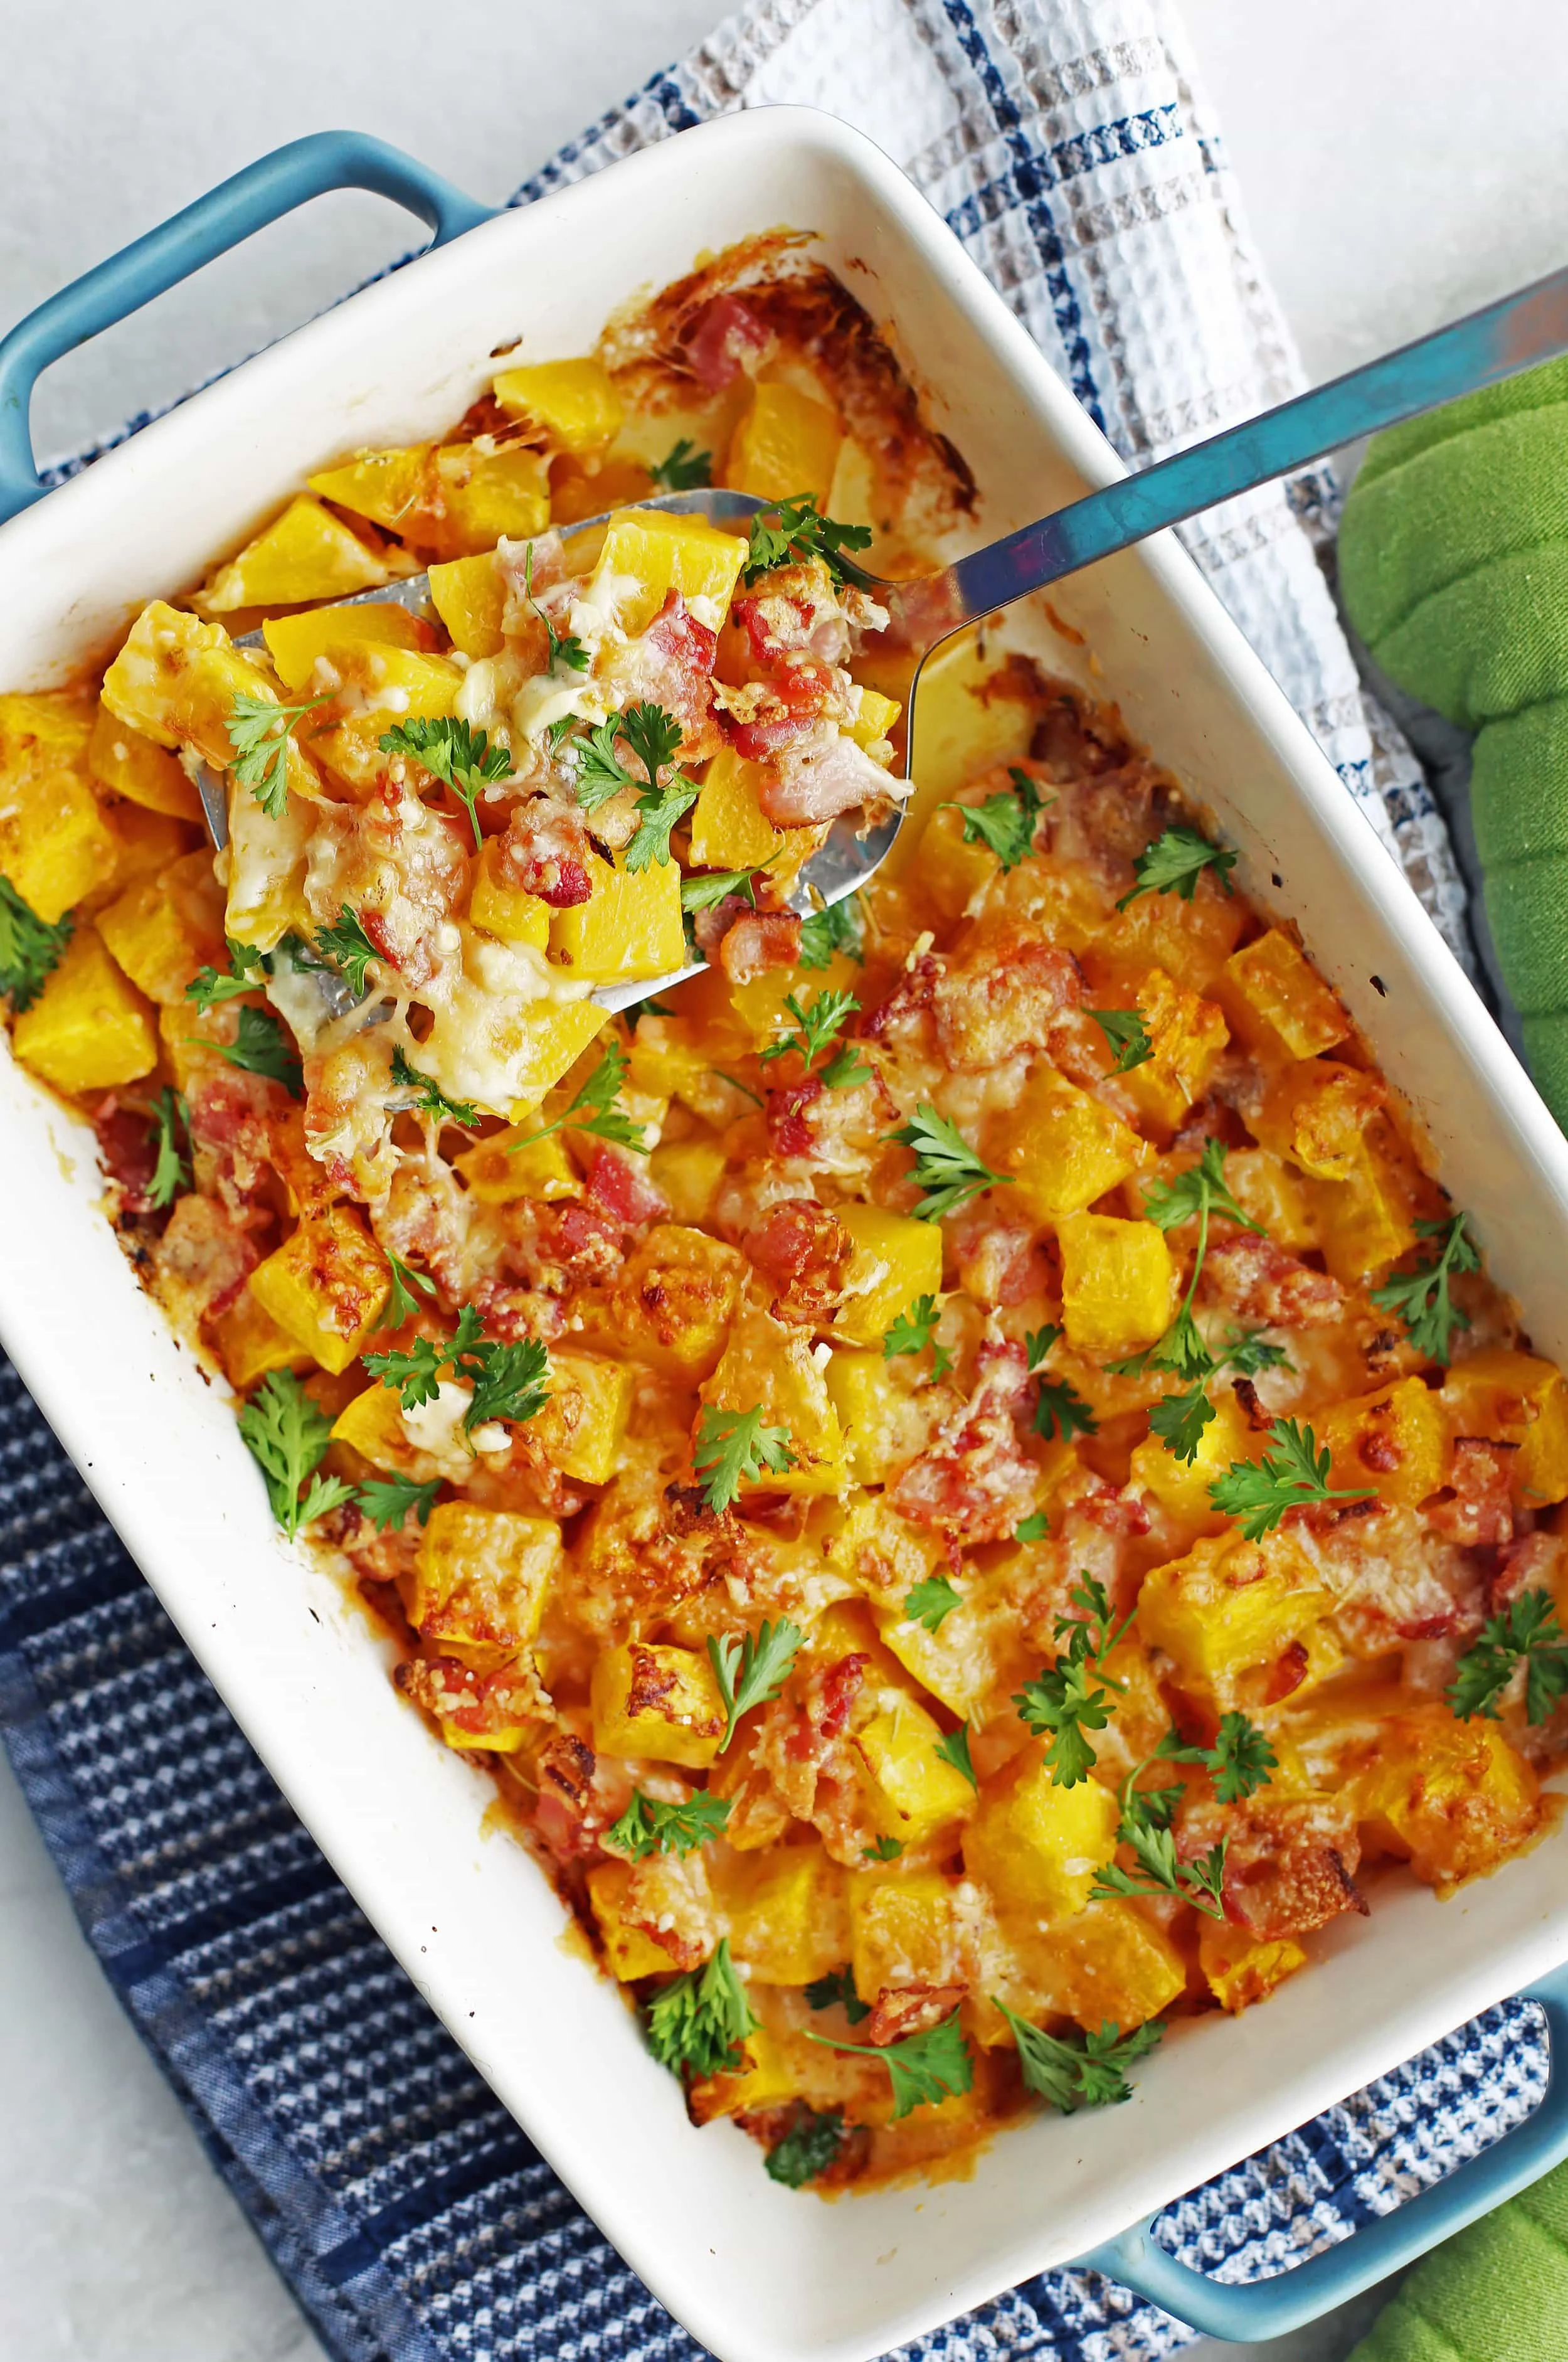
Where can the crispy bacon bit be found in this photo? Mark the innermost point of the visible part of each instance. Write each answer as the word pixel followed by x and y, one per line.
pixel 557 1247
pixel 204 1258
pixel 675 662
pixel 619 1186
pixel 1000 1259
pixel 1531 1563
pixel 1290 1670
pixel 1260 1281
pixel 1476 1507
pixel 788 1128
pixel 905 1008
pixel 479 1705
pixel 910 2009
pixel 974 1484
pixel 758 942
pixel 1112 1509
pixel 580 1796
pixel 1290 1865
pixel 826 1701
pixel 1246 1393
pixel 546 851
pixel 721 340
pixel 128 1148
pixel 1001 993
pixel 804 1250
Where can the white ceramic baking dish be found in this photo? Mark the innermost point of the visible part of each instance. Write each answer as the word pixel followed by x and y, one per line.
pixel 756 2273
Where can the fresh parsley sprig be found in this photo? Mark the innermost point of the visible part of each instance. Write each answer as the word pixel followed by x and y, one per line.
pixel 1195 1194
pixel 810 2144
pixel 835 929
pixel 683 468
pixel 1127 1036
pixel 1059 1408
pixel 564 649
pixel 1293 1475
pixel 171 1172
pixel 648 1826
pixel 911 1330
pixel 287 1434
pixel 259 731
pixel 30 948
pixel 1525 1632
pixel 924 2069
pixel 698 2023
pixel 817 1026
pixel 654 736
pixel 1238 1763
pixel 707 891
pixel 1005 821
pixel 508 1380
pixel 1175 862
pixel 387 1500
pixel 246 971
pixel 1086 2070
pixel 883 1850
pixel 1063 1700
pixel 946 1167
pixel 1179 1420
pixel 401 1305
pixel 953 1747
pixel 430 1098
pixel 838 1986
pixel 348 947
pixel 461 758
pixel 596 1109
pixel 1420 1298
pixel 1144 1824
pixel 803 533
pixel 261 1047
pixel 932 1600
pixel 732 1448
pixel 752 1671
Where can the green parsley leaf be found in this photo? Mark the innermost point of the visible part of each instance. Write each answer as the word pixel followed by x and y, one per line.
pixel 1198 1192
pixel 507 1380
pixel 1240 1761
pixel 1037 1344
pixel 924 2069
pixel 1063 1700
pixel 261 1047
pixel 1127 1034
pixel 733 1448
pixel 911 1330
pixel 835 929
pixel 1035 1527
pixel 415 1371
pixel 1526 1632
pixel 1253 1352
pixel 954 1747
pixel 683 468
pixel 287 1434
pixel 563 650
pixel 30 948
pixel 932 1600
pixel 595 1109
pixel 1420 1297
pixel 884 1850
pixel 1293 1474
pixel 1195 1194
pixel 171 1172
pixel 1179 1420
pixel 401 1305
pixel 838 1986
pixel 705 893
pixel 698 2023
pixel 1005 821
pixel 387 1500
pixel 600 772
pixel 259 731
pixel 247 967
pixel 430 1098
pixel 1060 1409
pixel 653 737
pixel 1083 2070
pixel 828 1014
pixel 649 1826
pixel 752 1671
pixel 1173 863
pixel 813 2141
pixel 461 758
pixel 946 1167
pixel 1201 1883
pixel 803 533
pixel 348 947
pixel 660 808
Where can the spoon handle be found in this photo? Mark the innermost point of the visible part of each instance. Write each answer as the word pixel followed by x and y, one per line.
pixel 1513 334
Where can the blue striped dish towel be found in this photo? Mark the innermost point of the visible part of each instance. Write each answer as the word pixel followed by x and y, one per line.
pixel 1069 146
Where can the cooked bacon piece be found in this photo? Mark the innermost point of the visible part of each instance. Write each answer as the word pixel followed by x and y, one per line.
pixel 910 2009
pixel 1531 1563
pixel 1000 1258
pixel 579 1797
pixel 1289 1867
pixel 815 777
pixel 1001 993
pixel 907 1005
pixel 1393 1581
pixel 619 1186
pixel 546 851
pixel 788 1128
pixel 204 1259
pixel 127 1146
pixel 760 718
pixel 758 941
pixel 231 1116
pixel 515 1314
pixel 974 1483
pixel 669 665
pixel 1254 1277
pixel 559 1247
pixel 1476 1507
pixel 425 1220
pixel 825 1702
pixel 799 611
pixel 721 340
pixel 1112 1509
pixel 804 1250
pixel 667 1900
pixel 479 1705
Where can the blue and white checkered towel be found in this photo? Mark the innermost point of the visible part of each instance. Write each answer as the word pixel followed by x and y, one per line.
pixel 1068 145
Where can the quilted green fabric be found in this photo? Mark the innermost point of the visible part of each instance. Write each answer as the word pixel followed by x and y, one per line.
pixel 1453 562
pixel 1498 2292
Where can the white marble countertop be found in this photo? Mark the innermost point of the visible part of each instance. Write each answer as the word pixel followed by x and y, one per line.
pixel 1396 171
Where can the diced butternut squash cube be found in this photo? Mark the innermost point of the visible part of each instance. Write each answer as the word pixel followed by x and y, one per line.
pixel 1364 1221
pixel 294 642
pixel 487 495
pixel 470 596
pixel 1509 1398
pixel 786 445
pixel 729 830
pixel 1061 898
pixel 513 1163
pixel 176 679
pixel 629 1951
pixel 760 1002
pixel 1118 1283
pixel 128 765
pixel 481 1579
pixel 882 1554
pixel 504 1052
pixel 630 925
pixel 687 1173
pixel 1188 1034
pixel 145 842
pixel 913 1789
pixel 251 1343
pixel 394 489
pixel 1277 1001
pixel 55 845
pixel 789 1920
pixel 871 725
pixel 1273 1194
pixel 973 1655
pixel 658 1702
pixel 371 1423
pixel 90 1029
pixel 574 402
pixel 504 909
pixel 904 1931
pixel 1066 1148
pixel 773 2072
pixel 883 1422
pixel 953 871
pixel 1191 941
pixel 1316 1113
pixel 1040 1848
pixel 328 1285
pixel 1107 1962
pixel 1395 1440
pixel 1454 1798
pixel 1229 1605
pixel 164 929
pixel 386 685
pixel 1181 1487
pixel 895 1259
pixel 676 1300
pixel 579 1429
pixel 1242 1968
pixel 306 552
pixel 647 554
pixel 768 1366
pixel 266 860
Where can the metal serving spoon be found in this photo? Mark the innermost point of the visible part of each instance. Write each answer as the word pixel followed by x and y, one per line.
pixel 1513 334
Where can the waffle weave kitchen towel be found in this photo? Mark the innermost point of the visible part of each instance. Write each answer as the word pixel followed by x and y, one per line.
pixel 1067 145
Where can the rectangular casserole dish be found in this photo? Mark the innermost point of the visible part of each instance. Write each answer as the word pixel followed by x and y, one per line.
pixel 755 2272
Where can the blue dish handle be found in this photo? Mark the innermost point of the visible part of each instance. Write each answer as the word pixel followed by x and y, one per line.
pixel 228 215
pixel 1271 2308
